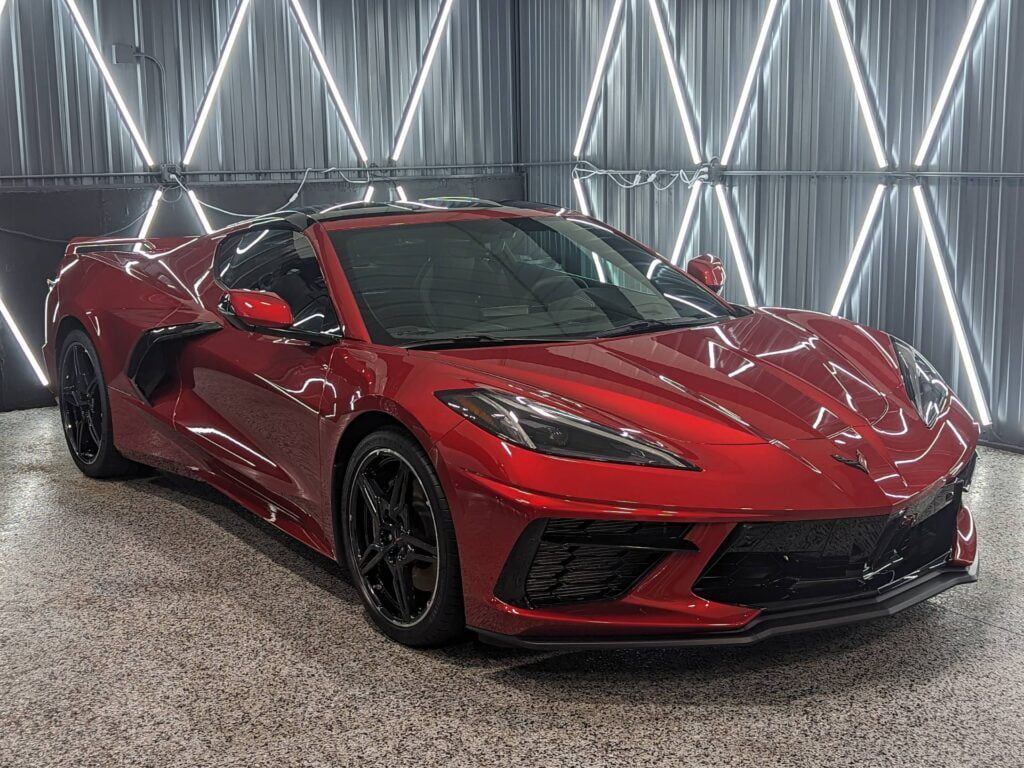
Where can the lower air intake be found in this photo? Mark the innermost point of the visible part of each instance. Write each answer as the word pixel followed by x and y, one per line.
pixel 564 561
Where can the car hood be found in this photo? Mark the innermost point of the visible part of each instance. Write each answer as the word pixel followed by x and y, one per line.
pixel 753 379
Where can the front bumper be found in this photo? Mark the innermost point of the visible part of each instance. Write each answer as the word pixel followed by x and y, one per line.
pixel 766 625
pixel 667 604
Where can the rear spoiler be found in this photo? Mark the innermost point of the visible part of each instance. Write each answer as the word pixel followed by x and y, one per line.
pixel 81 245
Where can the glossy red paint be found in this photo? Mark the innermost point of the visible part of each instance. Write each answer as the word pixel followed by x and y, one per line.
pixel 708 270
pixel 760 403
pixel 261 309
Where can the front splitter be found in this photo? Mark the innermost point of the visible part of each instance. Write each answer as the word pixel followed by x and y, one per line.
pixel 766 625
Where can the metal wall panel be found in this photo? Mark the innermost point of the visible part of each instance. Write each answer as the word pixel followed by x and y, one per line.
pixel 802 175
pixel 272 110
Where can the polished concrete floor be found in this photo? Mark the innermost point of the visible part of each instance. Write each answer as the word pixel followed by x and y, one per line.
pixel 154 623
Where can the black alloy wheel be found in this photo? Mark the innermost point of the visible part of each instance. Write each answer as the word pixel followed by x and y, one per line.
pixel 80 403
pixel 400 543
pixel 85 410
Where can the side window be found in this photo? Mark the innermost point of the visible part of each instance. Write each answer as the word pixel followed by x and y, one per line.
pixel 283 262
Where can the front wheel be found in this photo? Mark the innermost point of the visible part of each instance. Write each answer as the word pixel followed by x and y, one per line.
pixel 399 541
pixel 85 410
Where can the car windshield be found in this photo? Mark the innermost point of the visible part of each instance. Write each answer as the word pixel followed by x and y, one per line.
pixel 494 280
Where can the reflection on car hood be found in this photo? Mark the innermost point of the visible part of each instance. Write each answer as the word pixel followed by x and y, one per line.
pixel 783 377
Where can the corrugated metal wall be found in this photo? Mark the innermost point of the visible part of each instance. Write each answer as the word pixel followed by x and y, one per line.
pixel 273 111
pixel 799 225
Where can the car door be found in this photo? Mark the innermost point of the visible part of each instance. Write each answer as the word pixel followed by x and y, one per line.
pixel 250 399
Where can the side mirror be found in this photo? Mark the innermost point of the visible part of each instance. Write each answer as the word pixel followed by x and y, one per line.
pixel 707 270
pixel 258 309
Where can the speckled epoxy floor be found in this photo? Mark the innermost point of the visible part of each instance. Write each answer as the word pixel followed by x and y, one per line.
pixel 154 623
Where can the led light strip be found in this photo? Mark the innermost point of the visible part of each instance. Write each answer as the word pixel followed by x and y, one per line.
pixel 677 88
pixel 581 195
pixel 954 315
pixel 734 241
pixel 748 84
pixel 859 85
pixel 147 222
pixel 400 191
pixel 858 247
pixel 3 4
pixel 18 337
pixel 595 85
pixel 440 25
pixel 688 214
pixel 198 208
pixel 368 195
pixel 321 62
pixel 218 75
pixel 947 86
pixel 140 143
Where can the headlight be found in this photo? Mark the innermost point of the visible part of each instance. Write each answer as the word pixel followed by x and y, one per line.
pixel 542 428
pixel 925 386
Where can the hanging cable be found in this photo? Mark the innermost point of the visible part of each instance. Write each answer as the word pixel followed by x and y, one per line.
pixel 661 179
pixel 64 241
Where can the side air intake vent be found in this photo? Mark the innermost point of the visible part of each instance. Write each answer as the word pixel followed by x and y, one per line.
pixel 561 561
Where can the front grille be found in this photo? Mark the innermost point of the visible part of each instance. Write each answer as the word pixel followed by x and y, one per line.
pixel 562 561
pixel 780 565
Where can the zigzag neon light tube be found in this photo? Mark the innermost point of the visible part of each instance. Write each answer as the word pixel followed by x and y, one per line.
pixel 858 247
pixel 3 4
pixel 748 84
pixel 595 85
pixel 368 195
pixel 684 226
pixel 947 87
pixel 150 215
pixel 859 86
pixel 218 75
pixel 198 208
pixel 421 77
pixel 954 314
pixel 734 241
pixel 18 337
pixel 90 43
pixel 321 62
pixel 581 195
pixel 677 88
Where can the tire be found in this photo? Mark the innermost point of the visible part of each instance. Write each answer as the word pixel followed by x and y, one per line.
pixel 86 419
pixel 387 551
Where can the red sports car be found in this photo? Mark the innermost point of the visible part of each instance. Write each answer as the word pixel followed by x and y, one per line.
pixel 513 418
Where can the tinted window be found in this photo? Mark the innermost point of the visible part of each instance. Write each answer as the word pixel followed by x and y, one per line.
pixel 547 277
pixel 282 262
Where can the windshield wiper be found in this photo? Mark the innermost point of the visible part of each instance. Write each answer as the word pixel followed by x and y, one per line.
pixel 651 326
pixel 477 340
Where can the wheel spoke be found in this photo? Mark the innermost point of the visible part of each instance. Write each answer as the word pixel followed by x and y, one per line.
pixel 371 557
pixel 374 503
pixel 422 546
pixel 403 590
pixel 400 488
pixel 79 433
pixel 90 422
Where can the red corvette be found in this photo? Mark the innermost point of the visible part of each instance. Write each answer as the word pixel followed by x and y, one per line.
pixel 515 419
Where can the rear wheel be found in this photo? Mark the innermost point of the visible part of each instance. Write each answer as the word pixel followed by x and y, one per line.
pixel 85 410
pixel 399 541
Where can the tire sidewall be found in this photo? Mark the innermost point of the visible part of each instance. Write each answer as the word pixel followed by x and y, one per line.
pixel 444 620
